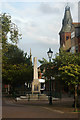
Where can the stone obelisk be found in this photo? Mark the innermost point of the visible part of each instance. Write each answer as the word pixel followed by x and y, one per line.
pixel 35 83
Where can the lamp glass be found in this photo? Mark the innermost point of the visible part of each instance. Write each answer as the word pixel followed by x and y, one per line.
pixel 50 53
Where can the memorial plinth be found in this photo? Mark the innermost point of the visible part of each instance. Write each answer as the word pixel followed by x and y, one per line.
pixel 35 83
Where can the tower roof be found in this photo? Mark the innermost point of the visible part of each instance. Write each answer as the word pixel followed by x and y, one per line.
pixel 67 20
pixel 67 7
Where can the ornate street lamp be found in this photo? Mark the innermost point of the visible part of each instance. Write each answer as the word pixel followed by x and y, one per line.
pixel 50 56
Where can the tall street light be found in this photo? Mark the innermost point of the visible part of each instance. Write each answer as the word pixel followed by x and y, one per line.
pixel 50 56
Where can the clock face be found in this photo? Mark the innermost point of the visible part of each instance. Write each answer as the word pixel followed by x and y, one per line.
pixel 73 34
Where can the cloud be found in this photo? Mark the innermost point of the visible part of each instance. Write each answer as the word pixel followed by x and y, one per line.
pixel 47 8
pixel 37 30
pixel 39 24
pixel 48 40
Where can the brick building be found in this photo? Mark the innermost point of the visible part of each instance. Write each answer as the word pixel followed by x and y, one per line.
pixel 69 33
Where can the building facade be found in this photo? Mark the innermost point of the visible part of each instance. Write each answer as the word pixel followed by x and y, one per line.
pixel 75 38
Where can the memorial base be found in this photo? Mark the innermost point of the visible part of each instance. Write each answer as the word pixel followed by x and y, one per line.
pixel 35 87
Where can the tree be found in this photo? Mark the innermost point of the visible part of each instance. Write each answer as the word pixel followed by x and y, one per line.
pixel 65 58
pixel 9 27
pixel 17 74
pixel 43 61
pixel 16 67
pixel 68 65
pixel 10 33
pixel 14 55
pixel 71 75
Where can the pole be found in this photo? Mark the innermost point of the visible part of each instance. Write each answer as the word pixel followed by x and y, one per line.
pixel 49 59
pixel 50 97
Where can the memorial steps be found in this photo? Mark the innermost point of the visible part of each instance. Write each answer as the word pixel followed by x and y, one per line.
pixel 33 97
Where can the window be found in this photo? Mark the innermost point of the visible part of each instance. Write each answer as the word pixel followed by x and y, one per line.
pixel 76 49
pixel 73 34
pixel 67 37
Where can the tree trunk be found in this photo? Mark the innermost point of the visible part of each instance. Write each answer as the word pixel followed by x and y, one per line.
pixel 75 103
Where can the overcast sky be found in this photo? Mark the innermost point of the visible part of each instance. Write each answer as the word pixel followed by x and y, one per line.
pixel 39 23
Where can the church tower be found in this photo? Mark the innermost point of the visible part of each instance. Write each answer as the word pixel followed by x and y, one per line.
pixel 65 33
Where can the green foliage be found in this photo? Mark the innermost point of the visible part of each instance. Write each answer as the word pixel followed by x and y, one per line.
pixel 66 61
pixel 50 69
pixel 43 61
pixel 65 58
pixel 17 74
pixel 9 27
pixel 9 33
pixel 14 55
pixel 66 70
pixel 16 67
pixel 71 74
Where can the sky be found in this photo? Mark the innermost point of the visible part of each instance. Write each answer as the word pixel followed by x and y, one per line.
pixel 39 22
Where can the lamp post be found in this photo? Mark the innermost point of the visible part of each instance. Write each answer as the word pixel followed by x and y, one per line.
pixel 50 56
